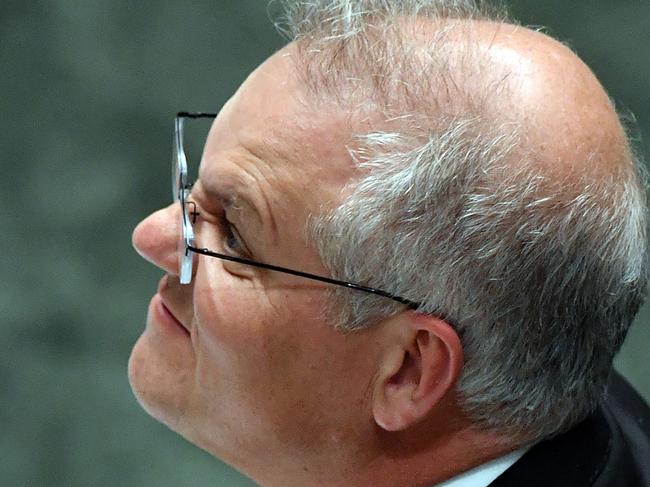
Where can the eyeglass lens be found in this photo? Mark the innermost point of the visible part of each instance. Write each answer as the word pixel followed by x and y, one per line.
pixel 180 193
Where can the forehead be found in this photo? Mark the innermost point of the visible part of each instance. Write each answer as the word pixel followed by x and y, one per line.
pixel 269 137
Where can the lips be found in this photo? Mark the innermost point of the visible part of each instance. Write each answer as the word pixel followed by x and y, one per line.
pixel 163 289
pixel 171 315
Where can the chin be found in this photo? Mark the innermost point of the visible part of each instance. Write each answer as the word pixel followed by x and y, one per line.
pixel 159 380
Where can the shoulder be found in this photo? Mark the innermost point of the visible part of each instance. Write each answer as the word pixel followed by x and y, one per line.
pixel 610 448
pixel 629 418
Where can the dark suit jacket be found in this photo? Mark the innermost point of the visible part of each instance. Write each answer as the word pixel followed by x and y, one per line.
pixel 610 448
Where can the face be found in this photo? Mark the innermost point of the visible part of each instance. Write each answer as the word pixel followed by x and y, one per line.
pixel 243 361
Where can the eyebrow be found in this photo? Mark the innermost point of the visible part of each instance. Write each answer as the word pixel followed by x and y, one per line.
pixel 231 198
pixel 237 202
pixel 235 198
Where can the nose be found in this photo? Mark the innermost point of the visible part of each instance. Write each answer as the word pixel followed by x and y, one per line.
pixel 156 238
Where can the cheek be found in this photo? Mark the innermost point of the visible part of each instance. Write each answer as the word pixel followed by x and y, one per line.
pixel 231 325
pixel 254 343
pixel 228 311
pixel 272 363
pixel 237 334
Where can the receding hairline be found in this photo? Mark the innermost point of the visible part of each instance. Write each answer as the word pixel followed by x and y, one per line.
pixel 480 75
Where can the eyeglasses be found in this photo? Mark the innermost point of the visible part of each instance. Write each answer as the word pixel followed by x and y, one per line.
pixel 181 191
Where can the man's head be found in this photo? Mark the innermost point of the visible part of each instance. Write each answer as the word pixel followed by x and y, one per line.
pixel 447 157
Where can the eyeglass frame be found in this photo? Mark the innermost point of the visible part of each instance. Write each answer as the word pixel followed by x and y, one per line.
pixel 180 192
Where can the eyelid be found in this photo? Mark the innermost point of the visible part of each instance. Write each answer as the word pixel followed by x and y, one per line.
pixel 224 211
pixel 230 229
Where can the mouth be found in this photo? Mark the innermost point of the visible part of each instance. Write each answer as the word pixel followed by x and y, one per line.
pixel 171 316
pixel 164 310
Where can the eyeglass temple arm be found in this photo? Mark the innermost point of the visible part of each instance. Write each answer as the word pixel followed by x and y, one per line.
pixel 196 115
pixel 314 277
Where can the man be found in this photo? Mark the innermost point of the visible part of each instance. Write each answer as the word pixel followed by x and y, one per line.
pixel 466 191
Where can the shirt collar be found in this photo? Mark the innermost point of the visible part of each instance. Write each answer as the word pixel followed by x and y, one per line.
pixel 482 475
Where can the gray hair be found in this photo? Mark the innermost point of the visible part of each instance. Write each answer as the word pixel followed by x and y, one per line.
pixel 540 276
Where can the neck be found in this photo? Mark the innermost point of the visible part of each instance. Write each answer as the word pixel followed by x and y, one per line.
pixel 429 454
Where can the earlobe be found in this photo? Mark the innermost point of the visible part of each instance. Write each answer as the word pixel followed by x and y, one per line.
pixel 417 371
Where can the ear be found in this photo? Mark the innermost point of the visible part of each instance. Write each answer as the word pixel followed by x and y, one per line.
pixel 420 365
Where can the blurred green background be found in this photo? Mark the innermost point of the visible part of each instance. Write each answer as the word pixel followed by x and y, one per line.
pixel 87 94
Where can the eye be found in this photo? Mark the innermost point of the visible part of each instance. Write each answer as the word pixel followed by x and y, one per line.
pixel 232 240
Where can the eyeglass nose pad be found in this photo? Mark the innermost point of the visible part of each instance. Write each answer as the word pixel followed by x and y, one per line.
pixel 193 213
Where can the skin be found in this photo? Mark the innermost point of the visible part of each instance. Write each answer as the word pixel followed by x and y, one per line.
pixel 256 374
